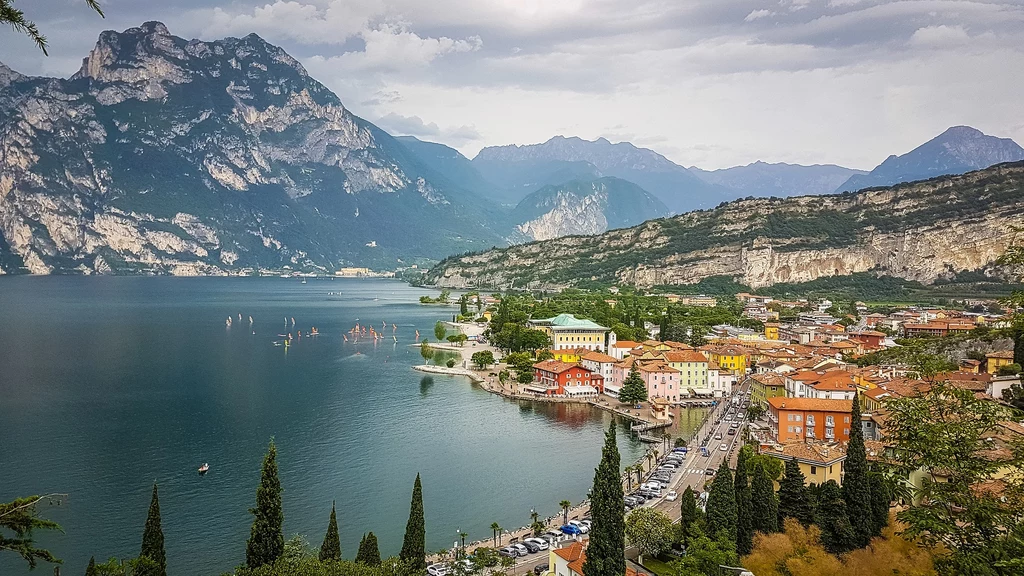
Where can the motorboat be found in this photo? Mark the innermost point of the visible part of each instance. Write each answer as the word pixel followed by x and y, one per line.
pixel 204 469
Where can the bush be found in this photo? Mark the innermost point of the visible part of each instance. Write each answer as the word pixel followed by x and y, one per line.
pixel 1009 370
pixel 450 363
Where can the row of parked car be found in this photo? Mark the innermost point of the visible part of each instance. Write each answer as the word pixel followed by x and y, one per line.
pixel 658 481
pixel 546 540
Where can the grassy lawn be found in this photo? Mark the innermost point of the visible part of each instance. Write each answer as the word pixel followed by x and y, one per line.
pixel 659 565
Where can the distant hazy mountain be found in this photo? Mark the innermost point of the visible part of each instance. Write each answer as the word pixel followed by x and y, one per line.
pixel 449 163
pixel 514 180
pixel 957 150
pixel 585 207
pixel 674 185
pixel 781 180
pixel 167 155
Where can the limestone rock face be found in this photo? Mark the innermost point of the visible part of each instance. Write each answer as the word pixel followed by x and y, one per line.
pixel 920 231
pixel 166 155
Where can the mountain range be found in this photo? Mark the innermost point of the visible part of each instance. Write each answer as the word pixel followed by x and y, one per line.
pixel 171 156
pixel 924 231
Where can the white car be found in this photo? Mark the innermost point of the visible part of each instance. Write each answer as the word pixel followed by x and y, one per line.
pixel 671 496
pixel 723 448
pixel 540 542
pixel 583 527
pixel 437 570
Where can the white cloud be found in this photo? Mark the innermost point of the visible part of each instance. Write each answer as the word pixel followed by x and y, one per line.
pixel 940 36
pixel 757 14
pixel 299 22
pixel 399 125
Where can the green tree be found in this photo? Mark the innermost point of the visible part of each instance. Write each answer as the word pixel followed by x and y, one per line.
pixel 266 538
pixel 565 505
pixel 414 551
pixel 153 537
pixel 837 532
pixel 90 570
pixel 21 517
pixel 606 552
pixel 633 388
pixel 721 507
pixel 704 555
pixel 331 548
pixel 744 510
pixel 794 501
pixel 463 306
pixel 649 530
pixel 426 352
pixel 482 359
pixel 688 511
pixel 764 507
pixel 496 532
pixel 16 19
pixel 697 336
pixel 440 331
pixel 856 486
pixel 948 434
pixel 880 501
pixel 369 552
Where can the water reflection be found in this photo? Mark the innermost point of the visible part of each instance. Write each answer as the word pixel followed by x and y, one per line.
pixel 426 383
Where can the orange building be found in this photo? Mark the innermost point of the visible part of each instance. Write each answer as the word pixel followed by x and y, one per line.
pixel 803 419
pixel 554 377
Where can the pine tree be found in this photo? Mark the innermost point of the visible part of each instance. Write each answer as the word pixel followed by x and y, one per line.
pixel 764 507
pixel 369 553
pixel 721 507
pixel 331 548
pixel 266 538
pixel 606 552
pixel 837 534
pixel 633 388
pixel 153 538
pixel 880 500
pixel 856 486
pixel 414 552
pixel 794 501
pixel 744 521
pixel 91 570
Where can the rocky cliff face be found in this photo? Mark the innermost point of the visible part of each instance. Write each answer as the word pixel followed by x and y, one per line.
pixel 584 207
pixel 189 157
pixel 921 231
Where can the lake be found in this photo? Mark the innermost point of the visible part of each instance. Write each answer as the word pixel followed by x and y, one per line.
pixel 108 384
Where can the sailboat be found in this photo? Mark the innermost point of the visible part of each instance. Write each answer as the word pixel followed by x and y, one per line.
pixel 228 322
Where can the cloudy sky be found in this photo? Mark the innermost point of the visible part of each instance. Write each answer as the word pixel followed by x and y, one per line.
pixel 712 83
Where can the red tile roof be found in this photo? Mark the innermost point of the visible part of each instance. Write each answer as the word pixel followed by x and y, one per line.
pixel 810 404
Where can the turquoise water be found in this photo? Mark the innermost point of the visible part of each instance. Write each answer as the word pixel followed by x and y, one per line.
pixel 109 384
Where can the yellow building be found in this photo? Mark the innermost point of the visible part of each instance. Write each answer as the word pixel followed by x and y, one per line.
pixel 771 331
pixel 819 461
pixel 569 355
pixel 766 385
pixel 995 360
pixel 692 367
pixel 567 331
pixel 730 358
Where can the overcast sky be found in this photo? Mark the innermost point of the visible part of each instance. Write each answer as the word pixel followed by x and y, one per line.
pixel 712 83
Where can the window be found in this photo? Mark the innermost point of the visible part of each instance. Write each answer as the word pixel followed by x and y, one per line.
pixel 846 431
pixel 846 420
pixel 829 421
pixel 789 428
pixel 814 469
pixel 799 417
pixel 789 417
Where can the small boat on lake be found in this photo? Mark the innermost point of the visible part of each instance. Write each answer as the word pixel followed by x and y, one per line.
pixel 204 469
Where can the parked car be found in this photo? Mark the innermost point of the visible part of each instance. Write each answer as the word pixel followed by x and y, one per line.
pixel 437 570
pixel 538 541
pixel 732 431
pixel 540 569
pixel 550 536
pixel 671 496
pixel 710 471
pixel 571 530
pixel 509 552
pixel 531 547
pixel 522 550
pixel 580 525
pixel 723 447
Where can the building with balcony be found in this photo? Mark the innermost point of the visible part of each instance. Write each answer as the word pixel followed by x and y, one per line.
pixel 819 461
pixel 552 377
pixel 809 419
pixel 567 331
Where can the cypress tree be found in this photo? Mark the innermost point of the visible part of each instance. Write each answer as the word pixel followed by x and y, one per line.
pixel 880 499
pixel 688 511
pixel 331 548
pixel 721 507
pixel 856 486
pixel 90 570
pixel 266 538
pixel 607 548
pixel 764 508
pixel 153 538
pixel 744 522
pixel 414 552
pixel 369 553
pixel 837 534
pixel 794 500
